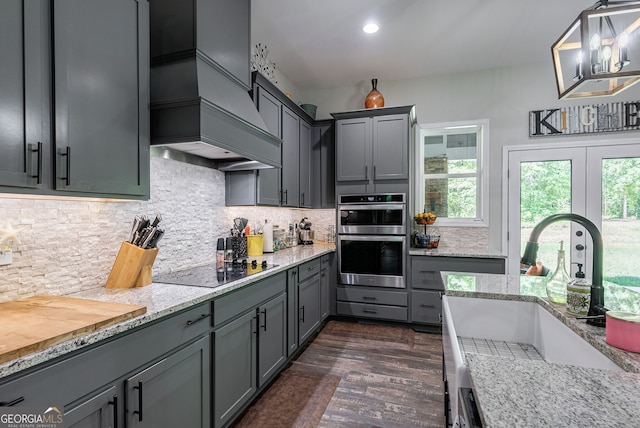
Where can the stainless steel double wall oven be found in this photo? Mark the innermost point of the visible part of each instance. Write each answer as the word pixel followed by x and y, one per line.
pixel 372 233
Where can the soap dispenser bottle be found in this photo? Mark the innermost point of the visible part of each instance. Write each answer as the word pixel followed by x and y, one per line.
pixel 578 294
pixel 557 285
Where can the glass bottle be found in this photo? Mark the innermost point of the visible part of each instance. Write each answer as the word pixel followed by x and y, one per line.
pixel 557 285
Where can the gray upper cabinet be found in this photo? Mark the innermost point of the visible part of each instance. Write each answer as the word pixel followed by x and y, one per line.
pixel 290 158
pixel 23 77
pixel 268 182
pixel 373 146
pixel 101 95
pixel 76 88
pixel 305 164
pixel 323 168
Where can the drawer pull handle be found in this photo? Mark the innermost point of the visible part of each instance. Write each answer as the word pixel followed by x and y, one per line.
pixel 114 403
pixel 139 411
pixel 302 311
pixel 200 318
pixel 427 306
pixel 368 298
pixel 369 311
pixel 12 402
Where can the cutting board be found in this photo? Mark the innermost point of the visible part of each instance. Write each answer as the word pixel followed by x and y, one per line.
pixel 35 323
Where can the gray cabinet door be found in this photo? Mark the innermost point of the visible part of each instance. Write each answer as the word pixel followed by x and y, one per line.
pixel 173 392
pixel 292 311
pixel 290 157
pixel 268 186
pixel 24 71
pixel 323 175
pixel 308 307
pixel 353 149
pixel 305 164
pixel 325 286
pixel 391 147
pixel 272 337
pixel 426 306
pixel 101 410
pixel 234 372
pixel 268 191
pixel 101 96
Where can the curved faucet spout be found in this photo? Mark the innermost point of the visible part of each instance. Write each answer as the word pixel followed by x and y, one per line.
pixel 596 307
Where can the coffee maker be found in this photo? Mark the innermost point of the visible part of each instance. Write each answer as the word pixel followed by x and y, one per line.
pixel 305 234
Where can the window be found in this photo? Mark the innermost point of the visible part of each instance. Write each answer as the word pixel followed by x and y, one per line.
pixel 452 160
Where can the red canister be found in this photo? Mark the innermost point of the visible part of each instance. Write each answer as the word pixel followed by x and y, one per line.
pixel 623 330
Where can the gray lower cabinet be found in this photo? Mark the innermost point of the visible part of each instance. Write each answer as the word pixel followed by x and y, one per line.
pixel 308 299
pixel 325 286
pixel 169 363
pixel 292 311
pixel 250 343
pixel 427 286
pixel 170 392
pixel 365 302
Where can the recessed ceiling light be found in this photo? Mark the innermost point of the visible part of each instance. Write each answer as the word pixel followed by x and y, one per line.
pixel 370 28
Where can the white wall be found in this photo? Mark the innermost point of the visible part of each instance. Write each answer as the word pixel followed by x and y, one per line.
pixel 504 96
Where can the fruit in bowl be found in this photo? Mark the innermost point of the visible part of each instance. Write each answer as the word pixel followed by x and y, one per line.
pixel 425 218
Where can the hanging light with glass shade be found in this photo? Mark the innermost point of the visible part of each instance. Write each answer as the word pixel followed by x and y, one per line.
pixel 599 54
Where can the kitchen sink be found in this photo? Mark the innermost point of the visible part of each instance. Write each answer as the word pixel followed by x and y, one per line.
pixel 511 328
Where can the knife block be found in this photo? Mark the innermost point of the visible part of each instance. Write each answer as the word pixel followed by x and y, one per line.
pixel 132 267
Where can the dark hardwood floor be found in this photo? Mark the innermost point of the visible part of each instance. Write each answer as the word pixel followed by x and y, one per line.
pixel 388 376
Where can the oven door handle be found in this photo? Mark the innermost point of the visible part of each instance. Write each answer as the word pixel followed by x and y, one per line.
pixel 379 238
pixel 371 207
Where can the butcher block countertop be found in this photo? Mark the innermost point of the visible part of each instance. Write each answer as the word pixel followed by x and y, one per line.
pixel 160 300
pixel 38 322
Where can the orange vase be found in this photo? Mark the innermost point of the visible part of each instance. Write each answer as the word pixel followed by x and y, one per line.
pixel 374 98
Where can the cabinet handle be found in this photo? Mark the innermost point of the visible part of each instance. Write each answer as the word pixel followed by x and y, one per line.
pixel 12 402
pixel 440 318
pixel 67 179
pixel 302 198
pixel 139 411
pixel 440 293
pixel 369 311
pixel 368 298
pixel 427 306
pixel 286 197
pixel 366 172
pixel 264 311
pixel 374 172
pixel 200 318
pixel 302 310
pixel 38 149
pixel 114 403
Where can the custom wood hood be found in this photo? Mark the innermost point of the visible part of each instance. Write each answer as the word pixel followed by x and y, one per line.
pixel 34 323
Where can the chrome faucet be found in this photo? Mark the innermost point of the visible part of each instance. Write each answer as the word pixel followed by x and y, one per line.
pixel 596 306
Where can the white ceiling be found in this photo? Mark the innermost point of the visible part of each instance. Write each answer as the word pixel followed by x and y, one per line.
pixel 320 44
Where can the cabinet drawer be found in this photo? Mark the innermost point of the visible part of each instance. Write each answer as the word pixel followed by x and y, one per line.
pixel 378 297
pixel 425 270
pixel 305 270
pixel 243 299
pixel 426 307
pixel 325 262
pixel 396 313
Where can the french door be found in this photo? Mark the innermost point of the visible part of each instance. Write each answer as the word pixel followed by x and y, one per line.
pixel 600 181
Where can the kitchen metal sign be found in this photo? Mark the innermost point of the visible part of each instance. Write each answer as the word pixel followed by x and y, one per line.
pixel 587 119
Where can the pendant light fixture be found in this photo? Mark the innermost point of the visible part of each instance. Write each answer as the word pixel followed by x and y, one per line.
pixel 599 54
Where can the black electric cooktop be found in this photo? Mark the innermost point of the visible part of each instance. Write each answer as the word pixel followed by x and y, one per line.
pixel 211 276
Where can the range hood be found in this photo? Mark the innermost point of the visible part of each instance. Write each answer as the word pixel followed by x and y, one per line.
pixel 200 82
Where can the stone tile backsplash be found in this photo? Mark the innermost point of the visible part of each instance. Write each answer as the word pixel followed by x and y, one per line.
pixel 70 245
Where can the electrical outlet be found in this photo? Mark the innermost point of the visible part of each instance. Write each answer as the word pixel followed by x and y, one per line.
pixel 6 258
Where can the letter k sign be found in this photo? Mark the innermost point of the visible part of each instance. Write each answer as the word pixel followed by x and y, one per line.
pixel 542 121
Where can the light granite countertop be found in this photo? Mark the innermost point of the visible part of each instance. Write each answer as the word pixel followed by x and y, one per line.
pixel 527 393
pixel 486 253
pixel 161 300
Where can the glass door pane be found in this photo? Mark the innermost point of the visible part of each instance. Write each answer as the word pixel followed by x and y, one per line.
pixel 620 209
pixel 545 189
